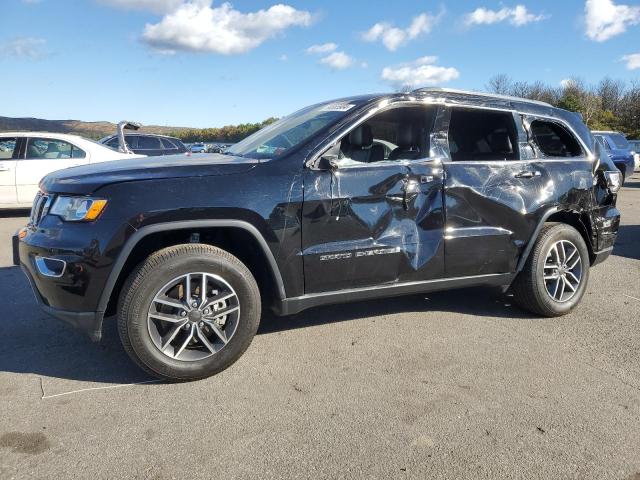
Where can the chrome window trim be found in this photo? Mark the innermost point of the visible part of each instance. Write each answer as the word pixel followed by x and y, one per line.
pixel 389 103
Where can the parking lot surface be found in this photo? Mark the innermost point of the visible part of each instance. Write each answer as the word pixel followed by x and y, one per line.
pixel 458 384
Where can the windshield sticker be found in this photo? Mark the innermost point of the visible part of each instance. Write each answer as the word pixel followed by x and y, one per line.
pixel 337 107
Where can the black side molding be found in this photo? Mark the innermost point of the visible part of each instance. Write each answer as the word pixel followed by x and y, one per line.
pixel 289 306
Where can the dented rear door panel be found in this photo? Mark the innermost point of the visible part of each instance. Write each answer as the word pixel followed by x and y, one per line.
pixel 493 208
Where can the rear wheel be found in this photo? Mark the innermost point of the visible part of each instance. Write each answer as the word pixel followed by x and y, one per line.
pixel 188 312
pixel 556 273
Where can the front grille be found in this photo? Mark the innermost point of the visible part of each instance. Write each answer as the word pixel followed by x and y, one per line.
pixel 40 207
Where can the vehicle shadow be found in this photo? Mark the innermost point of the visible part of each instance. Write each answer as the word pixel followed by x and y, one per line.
pixel 479 301
pixel 44 346
pixel 628 242
pixel 18 212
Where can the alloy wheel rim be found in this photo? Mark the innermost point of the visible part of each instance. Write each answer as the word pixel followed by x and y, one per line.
pixel 193 316
pixel 562 271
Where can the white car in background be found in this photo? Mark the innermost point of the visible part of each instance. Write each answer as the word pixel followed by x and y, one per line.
pixel 635 149
pixel 26 157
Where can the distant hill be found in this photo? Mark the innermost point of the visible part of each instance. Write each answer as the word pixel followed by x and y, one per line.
pixel 95 130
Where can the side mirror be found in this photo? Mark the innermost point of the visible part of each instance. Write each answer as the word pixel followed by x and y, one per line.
pixel 329 159
pixel 328 162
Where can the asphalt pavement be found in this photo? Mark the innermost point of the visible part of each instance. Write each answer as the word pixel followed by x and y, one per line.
pixel 458 384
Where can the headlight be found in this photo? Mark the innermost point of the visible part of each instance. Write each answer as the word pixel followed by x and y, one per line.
pixel 78 209
pixel 614 180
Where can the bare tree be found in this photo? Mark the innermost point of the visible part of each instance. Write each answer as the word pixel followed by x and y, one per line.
pixel 611 92
pixel 500 84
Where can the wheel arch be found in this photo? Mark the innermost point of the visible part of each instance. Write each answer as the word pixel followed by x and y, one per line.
pixel 579 221
pixel 231 235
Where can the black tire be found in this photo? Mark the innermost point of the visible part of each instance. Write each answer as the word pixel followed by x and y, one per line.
pixel 530 289
pixel 149 278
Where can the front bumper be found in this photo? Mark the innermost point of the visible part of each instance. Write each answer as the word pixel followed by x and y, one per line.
pixel 88 322
pixel 74 296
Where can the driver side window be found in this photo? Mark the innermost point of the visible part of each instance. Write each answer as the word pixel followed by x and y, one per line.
pixel 400 133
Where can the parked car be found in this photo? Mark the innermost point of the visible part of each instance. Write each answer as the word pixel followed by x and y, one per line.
pixel 26 157
pixel 198 148
pixel 148 144
pixel 215 148
pixel 635 149
pixel 618 149
pixel 477 190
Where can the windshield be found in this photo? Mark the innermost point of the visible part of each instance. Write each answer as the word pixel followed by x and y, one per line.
pixel 289 132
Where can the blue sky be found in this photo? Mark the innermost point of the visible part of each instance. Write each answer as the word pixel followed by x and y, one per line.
pixel 199 63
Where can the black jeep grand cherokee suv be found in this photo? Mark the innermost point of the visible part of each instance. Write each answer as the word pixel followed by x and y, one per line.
pixel 359 198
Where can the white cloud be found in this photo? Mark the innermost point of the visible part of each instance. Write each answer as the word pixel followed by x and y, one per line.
pixel 567 82
pixel 338 61
pixel 23 47
pixel 632 60
pixel 322 48
pixel 393 37
pixel 156 6
pixel 31 2
pixel 284 57
pixel 604 19
pixel 421 72
pixel 197 26
pixel 517 16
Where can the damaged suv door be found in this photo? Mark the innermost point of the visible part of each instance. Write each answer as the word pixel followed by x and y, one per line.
pixel 375 216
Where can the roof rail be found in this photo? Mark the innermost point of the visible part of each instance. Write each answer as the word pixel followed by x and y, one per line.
pixel 480 94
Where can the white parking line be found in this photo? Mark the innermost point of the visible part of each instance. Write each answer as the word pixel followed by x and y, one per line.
pixel 92 388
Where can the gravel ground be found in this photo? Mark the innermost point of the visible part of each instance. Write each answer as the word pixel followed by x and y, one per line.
pixel 458 384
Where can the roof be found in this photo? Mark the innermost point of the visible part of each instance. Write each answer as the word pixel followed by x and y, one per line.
pixel 470 93
pixel 144 134
pixel 39 133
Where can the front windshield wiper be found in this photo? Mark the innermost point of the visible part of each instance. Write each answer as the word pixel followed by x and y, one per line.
pixel 234 154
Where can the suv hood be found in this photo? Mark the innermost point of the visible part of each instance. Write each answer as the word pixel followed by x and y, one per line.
pixel 86 179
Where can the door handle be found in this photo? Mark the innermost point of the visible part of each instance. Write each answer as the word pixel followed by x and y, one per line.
pixel 4 169
pixel 528 174
pixel 396 197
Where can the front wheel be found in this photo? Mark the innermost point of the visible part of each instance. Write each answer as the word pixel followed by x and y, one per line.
pixel 188 312
pixel 555 276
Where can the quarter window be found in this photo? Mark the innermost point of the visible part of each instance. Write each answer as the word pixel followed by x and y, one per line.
pixel 7 146
pixel 113 143
pixel 482 135
pixel 553 140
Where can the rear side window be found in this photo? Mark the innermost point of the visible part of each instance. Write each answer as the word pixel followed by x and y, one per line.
pixel 48 148
pixel 149 143
pixel 482 135
pixel 131 140
pixel 168 145
pixel 7 146
pixel 619 141
pixel 554 140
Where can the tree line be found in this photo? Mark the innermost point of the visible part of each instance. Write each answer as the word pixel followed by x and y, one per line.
pixel 226 134
pixel 608 105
